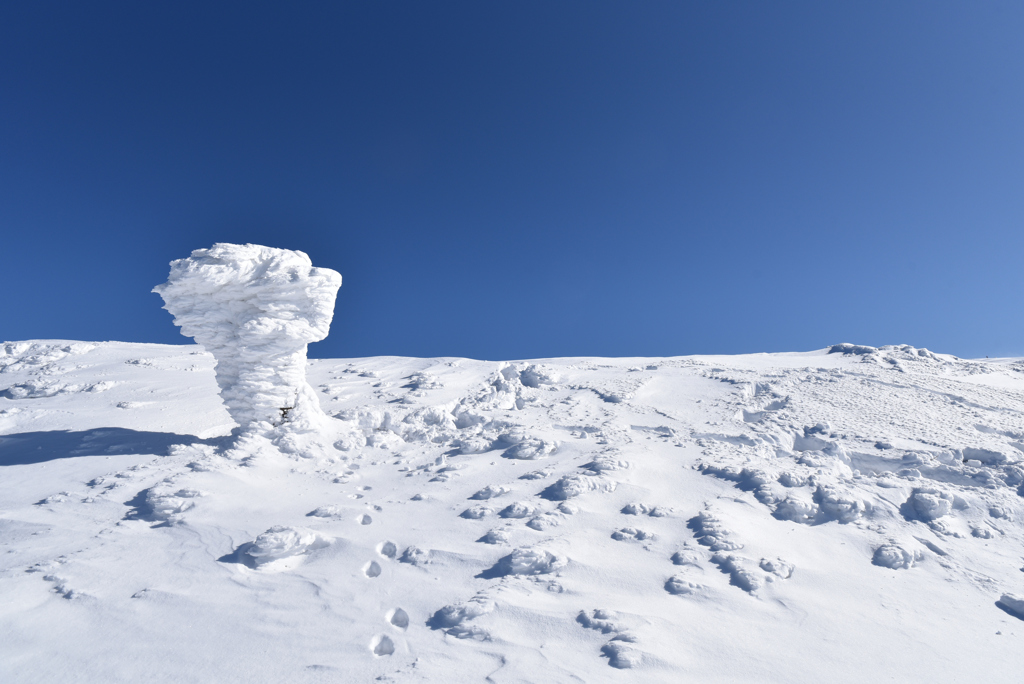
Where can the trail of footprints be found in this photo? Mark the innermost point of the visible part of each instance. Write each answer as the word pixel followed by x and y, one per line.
pixel 382 644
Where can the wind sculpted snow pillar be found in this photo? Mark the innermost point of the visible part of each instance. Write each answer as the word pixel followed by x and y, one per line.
pixel 255 309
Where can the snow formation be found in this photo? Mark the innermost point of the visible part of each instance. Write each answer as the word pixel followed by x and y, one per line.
pixel 255 309
pixel 851 514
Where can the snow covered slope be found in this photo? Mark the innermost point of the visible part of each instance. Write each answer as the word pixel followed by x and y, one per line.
pixel 851 514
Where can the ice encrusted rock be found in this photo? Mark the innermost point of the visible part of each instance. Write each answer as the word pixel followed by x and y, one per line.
pixel 255 309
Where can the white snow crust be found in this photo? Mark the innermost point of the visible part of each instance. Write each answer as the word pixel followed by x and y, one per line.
pixel 851 514
pixel 255 309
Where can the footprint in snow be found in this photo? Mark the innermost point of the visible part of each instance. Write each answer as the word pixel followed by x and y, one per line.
pixel 372 569
pixel 399 618
pixel 382 645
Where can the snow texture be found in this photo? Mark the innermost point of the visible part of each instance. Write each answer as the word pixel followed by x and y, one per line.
pixel 852 514
pixel 255 309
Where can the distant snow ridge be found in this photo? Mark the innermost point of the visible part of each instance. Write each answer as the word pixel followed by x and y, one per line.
pixel 255 309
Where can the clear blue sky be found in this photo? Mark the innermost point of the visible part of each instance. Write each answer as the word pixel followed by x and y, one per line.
pixel 523 179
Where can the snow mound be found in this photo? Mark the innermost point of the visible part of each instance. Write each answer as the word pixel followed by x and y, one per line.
pixel 929 503
pixel 620 655
pixel 496 536
pixel 455 619
pixel 168 505
pixel 604 621
pixel 531 449
pixel 527 561
pixel 329 511
pixel 709 531
pixel 618 651
pixel 1012 603
pixel 517 510
pixel 894 556
pixel 569 486
pixel 414 555
pixel 489 492
pixel 739 574
pixel 255 309
pixel 476 512
pixel 537 376
pixel 680 586
pixel 279 543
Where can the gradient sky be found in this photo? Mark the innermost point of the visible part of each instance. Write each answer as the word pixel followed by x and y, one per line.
pixel 508 180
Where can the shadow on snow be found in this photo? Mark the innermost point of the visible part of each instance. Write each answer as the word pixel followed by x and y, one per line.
pixel 26 448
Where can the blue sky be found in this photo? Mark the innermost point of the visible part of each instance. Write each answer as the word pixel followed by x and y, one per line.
pixel 512 180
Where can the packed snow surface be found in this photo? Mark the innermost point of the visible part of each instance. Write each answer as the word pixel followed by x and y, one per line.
pixel 851 514
pixel 255 309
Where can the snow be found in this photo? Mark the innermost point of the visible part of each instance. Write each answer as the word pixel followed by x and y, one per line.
pixel 255 309
pixel 853 513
